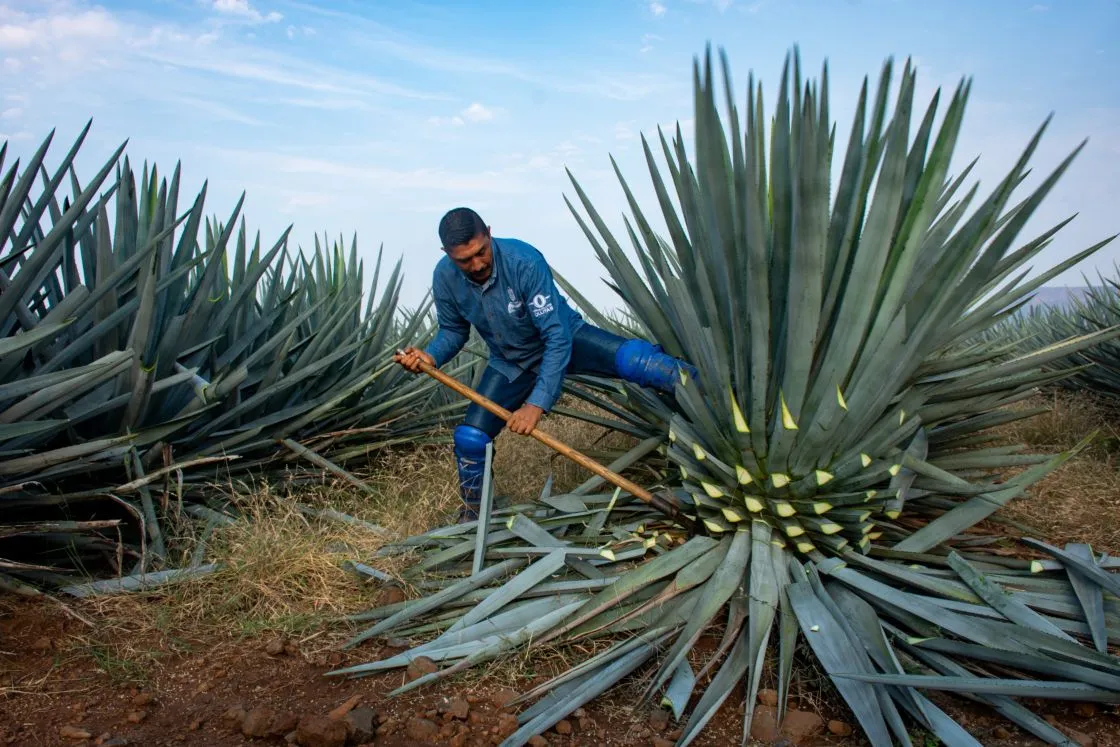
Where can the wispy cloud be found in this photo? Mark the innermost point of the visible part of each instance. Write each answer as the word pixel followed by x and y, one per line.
pixel 388 180
pixel 215 110
pixel 327 103
pixel 58 31
pixel 475 113
pixel 657 9
pixel 243 10
pixel 616 85
pixel 288 73
pixel 621 86
pixel 82 38
pixel 723 5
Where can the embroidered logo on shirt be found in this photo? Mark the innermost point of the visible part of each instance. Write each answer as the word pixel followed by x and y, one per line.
pixel 514 305
pixel 541 305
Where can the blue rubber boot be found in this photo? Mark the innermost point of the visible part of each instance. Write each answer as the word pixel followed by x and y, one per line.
pixel 470 460
pixel 646 364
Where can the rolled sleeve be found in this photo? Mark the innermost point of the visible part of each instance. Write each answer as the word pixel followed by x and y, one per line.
pixel 454 330
pixel 542 302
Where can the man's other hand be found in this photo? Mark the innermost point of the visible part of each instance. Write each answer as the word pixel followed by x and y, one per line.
pixel 411 357
pixel 525 419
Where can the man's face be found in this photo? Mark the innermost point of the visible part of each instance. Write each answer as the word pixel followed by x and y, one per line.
pixel 474 258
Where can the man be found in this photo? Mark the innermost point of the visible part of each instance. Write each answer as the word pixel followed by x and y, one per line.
pixel 504 287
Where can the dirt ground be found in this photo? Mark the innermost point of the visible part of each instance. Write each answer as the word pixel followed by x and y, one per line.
pixel 59 691
pixel 239 659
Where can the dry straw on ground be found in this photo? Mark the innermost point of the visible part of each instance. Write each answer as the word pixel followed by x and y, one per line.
pixel 1078 501
pixel 283 571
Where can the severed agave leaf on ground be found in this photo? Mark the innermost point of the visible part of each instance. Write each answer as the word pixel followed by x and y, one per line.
pixel 835 448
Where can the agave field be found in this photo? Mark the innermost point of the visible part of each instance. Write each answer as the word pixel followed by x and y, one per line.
pixel 1095 369
pixel 149 353
pixel 836 449
pixel 857 344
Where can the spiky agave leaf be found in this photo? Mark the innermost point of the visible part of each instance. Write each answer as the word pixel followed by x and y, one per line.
pixel 829 446
pixel 141 345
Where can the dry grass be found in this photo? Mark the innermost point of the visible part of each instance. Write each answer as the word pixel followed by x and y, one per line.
pixel 1070 419
pixel 1077 501
pixel 282 571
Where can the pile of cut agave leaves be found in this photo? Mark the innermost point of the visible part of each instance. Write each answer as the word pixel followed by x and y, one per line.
pixel 591 564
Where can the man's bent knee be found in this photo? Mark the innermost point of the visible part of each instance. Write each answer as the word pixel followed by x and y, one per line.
pixel 646 364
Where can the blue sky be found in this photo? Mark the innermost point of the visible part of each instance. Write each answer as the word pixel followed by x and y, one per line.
pixel 344 116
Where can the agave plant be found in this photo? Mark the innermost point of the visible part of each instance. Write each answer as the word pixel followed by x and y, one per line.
pixel 1096 369
pixel 143 348
pixel 835 451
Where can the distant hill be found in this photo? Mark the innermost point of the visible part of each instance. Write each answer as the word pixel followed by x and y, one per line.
pixel 1056 295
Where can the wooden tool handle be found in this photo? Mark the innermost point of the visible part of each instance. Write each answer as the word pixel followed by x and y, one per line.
pixel 561 448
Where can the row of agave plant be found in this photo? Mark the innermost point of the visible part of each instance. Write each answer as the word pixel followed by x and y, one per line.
pixel 1094 370
pixel 837 450
pixel 149 352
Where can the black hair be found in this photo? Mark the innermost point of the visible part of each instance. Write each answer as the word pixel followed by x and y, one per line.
pixel 460 225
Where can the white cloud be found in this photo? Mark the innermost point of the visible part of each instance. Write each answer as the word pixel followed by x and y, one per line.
pixel 300 200
pixel 294 31
pixel 13 113
pixel 476 112
pixel 1039 8
pixel 623 131
pixel 242 9
pixel 723 5
pixel 455 121
pixel 59 29
pixel 657 9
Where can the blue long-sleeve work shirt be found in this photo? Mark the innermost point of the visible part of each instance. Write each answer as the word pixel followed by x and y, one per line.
pixel 525 322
